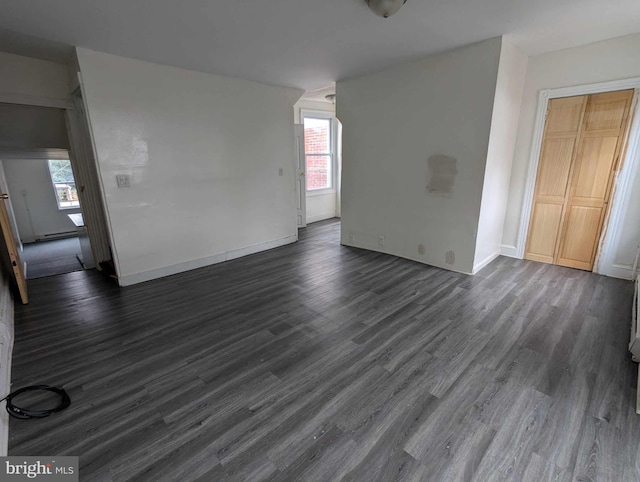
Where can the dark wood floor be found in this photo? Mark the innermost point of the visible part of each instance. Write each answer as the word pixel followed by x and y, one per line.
pixel 321 362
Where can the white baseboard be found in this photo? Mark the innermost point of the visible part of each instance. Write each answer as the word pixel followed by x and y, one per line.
pixel 132 279
pixel 404 256
pixel 320 217
pixel 507 250
pixel 478 266
pixel 619 271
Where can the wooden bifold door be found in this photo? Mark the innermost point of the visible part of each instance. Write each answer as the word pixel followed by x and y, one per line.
pixel 581 149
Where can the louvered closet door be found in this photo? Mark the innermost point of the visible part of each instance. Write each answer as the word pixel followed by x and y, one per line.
pixel 580 154
pixel 562 128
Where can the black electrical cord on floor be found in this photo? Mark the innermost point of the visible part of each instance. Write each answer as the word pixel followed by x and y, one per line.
pixel 25 413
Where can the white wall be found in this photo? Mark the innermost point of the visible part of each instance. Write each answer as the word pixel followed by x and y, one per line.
pixel 34 200
pixel 319 206
pixel 393 122
pixel 599 62
pixel 26 77
pixel 502 140
pixel 29 127
pixel 203 153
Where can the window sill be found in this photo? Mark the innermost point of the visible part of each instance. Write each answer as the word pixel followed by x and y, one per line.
pixel 67 208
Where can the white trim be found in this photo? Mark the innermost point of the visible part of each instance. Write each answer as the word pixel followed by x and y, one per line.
pixel 34 100
pixel 597 88
pixel 55 189
pixel 508 250
pixel 478 266
pixel 623 180
pixel 320 217
pixel 320 192
pixel 331 116
pixel 377 249
pixel 536 147
pixel 619 271
pixel 152 274
pixel 605 259
pixel 96 161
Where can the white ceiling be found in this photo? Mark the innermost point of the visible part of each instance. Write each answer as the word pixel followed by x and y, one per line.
pixel 301 43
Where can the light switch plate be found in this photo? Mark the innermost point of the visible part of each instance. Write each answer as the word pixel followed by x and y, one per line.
pixel 123 180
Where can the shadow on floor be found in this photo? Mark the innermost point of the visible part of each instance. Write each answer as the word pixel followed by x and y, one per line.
pixel 48 258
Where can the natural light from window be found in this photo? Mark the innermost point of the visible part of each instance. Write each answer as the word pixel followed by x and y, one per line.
pixel 318 153
pixel 64 184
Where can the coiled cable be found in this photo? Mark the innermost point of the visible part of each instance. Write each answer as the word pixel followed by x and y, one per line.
pixel 25 413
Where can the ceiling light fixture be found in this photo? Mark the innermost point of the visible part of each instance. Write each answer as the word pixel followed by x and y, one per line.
pixel 330 98
pixel 385 8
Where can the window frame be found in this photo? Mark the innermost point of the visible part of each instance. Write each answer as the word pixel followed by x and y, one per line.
pixel 55 189
pixel 330 116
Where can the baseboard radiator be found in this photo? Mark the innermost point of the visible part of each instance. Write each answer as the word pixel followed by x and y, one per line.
pixel 50 236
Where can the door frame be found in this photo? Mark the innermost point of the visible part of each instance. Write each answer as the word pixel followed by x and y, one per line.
pixel 300 178
pixel 69 109
pixel 622 182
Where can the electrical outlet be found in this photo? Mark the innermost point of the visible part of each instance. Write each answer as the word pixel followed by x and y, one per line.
pixel 123 180
pixel 380 241
pixel 352 238
pixel 281 172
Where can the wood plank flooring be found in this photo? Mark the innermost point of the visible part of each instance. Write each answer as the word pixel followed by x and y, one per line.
pixel 320 362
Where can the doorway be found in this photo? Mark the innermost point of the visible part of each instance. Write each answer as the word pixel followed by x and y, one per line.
pixel 45 205
pixel 53 143
pixel 582 147
pixel 318 165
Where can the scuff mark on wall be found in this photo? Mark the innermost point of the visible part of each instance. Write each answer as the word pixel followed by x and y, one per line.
pixel 442 173
pixel 450 257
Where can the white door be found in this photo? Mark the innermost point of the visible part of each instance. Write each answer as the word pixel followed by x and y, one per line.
pixel 301 185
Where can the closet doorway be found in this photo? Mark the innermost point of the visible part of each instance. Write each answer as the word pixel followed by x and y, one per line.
pixel 583 143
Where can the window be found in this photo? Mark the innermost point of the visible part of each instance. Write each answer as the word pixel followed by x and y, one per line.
pixel 64 184
pixel 318 149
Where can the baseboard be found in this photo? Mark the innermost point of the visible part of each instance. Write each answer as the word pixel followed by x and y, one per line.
pixel 619 271
pixel 375 249
pixel 320 217
pixel 510 251
pixel 132 279
pixel 478 266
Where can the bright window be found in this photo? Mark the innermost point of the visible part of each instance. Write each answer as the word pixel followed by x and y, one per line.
pixel 318 149
pixel 63 183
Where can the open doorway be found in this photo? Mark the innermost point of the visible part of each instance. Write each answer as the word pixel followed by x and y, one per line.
pixel 45 205
pixel 50 189
pixel 318 134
